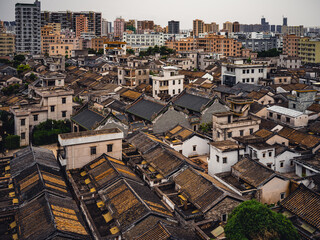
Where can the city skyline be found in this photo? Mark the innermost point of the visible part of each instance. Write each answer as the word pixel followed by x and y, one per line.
pixel 245 12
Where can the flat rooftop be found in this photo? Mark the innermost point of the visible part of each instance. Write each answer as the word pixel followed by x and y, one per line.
pixel 226 145
pixel 89 133
pixel 285 111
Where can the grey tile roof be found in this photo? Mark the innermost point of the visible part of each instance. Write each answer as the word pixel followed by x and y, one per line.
pixel 87 118
pixel 145 109
pixel 191 102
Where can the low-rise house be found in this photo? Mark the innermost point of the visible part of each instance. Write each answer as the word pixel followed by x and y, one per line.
pixel 7 70
pixel 211 199
pixel 307 165
pixel 281 78
pixel 302 208
pixel 55 104
pixel 7 80
pixel 79 148
pixel 199 107
pixel 286 61
pixel 254 180
pixel 287 116
pixel 187 141
pixel 223 155
pixel 300 100
pixel 114 200
pixel 262 97
pixel 234 123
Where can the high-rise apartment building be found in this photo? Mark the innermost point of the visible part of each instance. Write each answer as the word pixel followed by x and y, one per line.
pixel 227 27
pixel 145 25
pixel 198 27
pixel 236 27
pixel 118 27
pixel 67 20
pixel 309 50
pixel 49 36
pixel 290 45
pixel 7 44
pixel 28 26
pixel 81 25
pixel 174 27
pixel 296 30
pixel 285 21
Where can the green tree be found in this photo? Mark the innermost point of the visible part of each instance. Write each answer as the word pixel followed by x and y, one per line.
pixel 130 51
pixel 21 68
pixel 11 89
pixel 252 220
pixel 270 53
pixel 12 142
pixel 33 77
pixel 205 127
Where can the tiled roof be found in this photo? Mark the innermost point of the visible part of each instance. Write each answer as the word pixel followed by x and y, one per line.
pixel 200 191
pixel 191 102
pixel 145 109
pixel 304 203
pixel 131 94
pixel 87 118
pixel 252 172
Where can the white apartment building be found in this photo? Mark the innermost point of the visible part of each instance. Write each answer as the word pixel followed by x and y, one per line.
pixel 239 71
pixel 167 82
pixel 150 39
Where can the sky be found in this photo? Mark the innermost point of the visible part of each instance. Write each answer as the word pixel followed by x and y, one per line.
pixel 298 12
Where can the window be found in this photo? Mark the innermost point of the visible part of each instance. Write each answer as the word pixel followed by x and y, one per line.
pixel 282 195
pixel 179 82
pixel 109 147
pixel 241 132
pixel 224 217
pixel 287 119
pixel 171 73
pixel 243 71
pixel 251 131
pixel 173 91
pixel 252 70
pixel 294 105
pixel 23 122
pixel 264 154
pixel 218 134
pixel 291 163
pixel 270 154
pixel 180 151
pixel 218 158
pixel 229 134
pixel 270 114
pixel 269 165
pixel 248 71
pixel 64 114
pixel 281 164
pixel 278 116
pixel 173 82
pixel 52 108
pixel 224 160
pixel 93 150
pixel 64 100
pixel 23 135
pixel 35 118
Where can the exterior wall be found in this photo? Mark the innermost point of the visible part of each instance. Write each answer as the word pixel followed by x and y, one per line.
pixel 278 139
pixel 299 169
pixel 79 155
pixel 7 44
pixel 282 80
pixel 167 83
pixel 232 74
pixel 288 165
pixel 300 101
pixel 226 206
pixel 299 121
pixel 216 107
pixel 59 107
pixel 266 100
pixel 290 45
pixel 270 192
pixel 309 50
pixel 201 144
pixel 169 119
pixel 61 49
pixel 265 156
pixel 215 167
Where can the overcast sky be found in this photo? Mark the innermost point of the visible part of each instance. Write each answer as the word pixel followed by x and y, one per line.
pixel 299 12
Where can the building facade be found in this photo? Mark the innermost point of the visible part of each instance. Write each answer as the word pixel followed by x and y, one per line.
pixel 28 27
pixel 174 27
pixel 7 44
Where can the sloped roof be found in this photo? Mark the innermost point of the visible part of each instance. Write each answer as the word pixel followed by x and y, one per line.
pixel 304 203
pixel 48 214
pixel 252 172
pixel 200 191
pixel 87 118
pixel 145 109
pixel 191 102
pixel 144 142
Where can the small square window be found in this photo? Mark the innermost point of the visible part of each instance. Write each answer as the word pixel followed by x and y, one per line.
pixel 35 118
pixel 93 150
pixel 23 136
pixel 194 148
pixel 218 158
pixel 282 195
pixel 64 100
pixel 281 164
pixel 241 132
pixel 52 108
pixel 224 217
pixel 64 114
pixel 270 154
pixel 229 134
pixel 251 131
pixel 23 122
pixel 224 160
pixel 264 155
pixel 109 147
